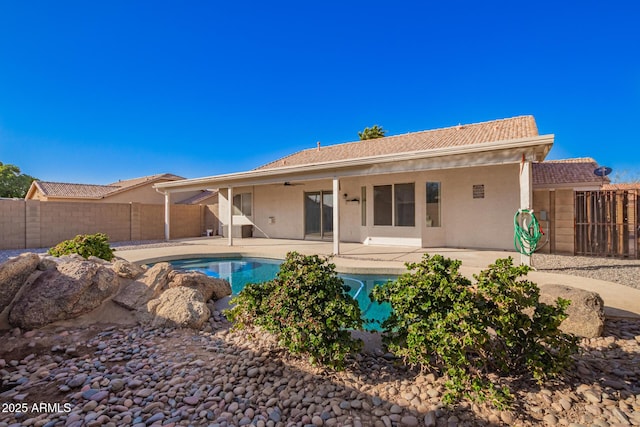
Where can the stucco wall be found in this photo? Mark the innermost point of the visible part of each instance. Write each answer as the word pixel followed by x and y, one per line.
pixel 480 222
pixel 146 195
pixel 278 210
pixel 465 221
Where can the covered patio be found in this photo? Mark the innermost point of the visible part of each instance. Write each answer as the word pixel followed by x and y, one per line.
pixel 453 187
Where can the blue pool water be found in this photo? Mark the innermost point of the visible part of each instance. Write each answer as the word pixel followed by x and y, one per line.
pixel 241 271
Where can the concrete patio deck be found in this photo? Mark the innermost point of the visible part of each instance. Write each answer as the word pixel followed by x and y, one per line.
pixel 619 300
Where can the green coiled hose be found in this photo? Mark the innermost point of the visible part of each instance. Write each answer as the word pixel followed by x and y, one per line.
pixel 527 234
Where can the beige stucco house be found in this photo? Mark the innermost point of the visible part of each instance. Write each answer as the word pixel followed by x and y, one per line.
pixel 136 190
pixel 458 186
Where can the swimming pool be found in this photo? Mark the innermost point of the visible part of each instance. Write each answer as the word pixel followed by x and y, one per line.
pixel 242 271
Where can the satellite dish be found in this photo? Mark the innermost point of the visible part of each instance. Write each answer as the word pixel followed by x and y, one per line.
pixel 602 171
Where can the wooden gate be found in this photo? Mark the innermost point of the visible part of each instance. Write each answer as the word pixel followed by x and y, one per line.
pixel 606 223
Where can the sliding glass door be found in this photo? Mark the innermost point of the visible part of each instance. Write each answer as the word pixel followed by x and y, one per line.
pixel 318 215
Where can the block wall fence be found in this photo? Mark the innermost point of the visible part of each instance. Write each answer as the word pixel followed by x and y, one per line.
pixel 35 224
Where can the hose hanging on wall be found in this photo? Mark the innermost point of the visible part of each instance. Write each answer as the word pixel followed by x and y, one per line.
pixel 527 231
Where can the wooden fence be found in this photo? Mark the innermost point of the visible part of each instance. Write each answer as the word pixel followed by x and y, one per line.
pixel 607 223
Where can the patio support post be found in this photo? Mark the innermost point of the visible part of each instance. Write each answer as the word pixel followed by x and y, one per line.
pixel 336 216
pixel 167 215
pixel 526 190
pixel 230 214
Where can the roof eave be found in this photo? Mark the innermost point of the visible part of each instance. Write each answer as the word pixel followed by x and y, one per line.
pixel 134 186
pixel 582 186
pixel 75 197
pixel 543 141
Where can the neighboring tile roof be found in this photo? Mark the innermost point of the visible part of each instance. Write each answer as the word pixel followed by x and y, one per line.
pixel 126 183
pixel 94 191
pixel 622 186
pixel 83 191
pixel 455 136
pixel 198 198
pixel 566 171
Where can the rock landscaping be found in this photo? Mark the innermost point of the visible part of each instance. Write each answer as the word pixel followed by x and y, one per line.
pixel 142 376
pixel 585 314
pixel 36 291
pixel 173 360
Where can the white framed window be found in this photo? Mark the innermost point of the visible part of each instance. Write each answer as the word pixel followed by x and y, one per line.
pixel 242 204
pixel 433 204
pixel 382 205
pixel 404 196
pixel 363 206
pixel 394 205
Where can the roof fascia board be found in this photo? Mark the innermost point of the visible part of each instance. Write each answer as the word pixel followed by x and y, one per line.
pixel 32 189
pixel 372 164
pixel 577 186
pixel 122 189
pixel 78 198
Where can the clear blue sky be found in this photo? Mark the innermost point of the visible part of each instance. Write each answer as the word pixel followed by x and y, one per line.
pixel 94 92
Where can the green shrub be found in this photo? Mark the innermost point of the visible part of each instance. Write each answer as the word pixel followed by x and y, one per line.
pixel 527 337
pixel 470 332
pixel 85 245
pixel 306 307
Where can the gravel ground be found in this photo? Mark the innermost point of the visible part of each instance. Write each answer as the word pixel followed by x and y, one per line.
pixel 623 271
pixel 112 376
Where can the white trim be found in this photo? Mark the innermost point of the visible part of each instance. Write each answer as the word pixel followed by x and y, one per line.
pixel 242 220
pixel 526 197
pixel 394 241
pixel 230 214
pixel 569 186
pixel 336 216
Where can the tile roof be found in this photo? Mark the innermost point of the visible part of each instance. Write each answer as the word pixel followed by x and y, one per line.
pixel 566 171
pixel 126 183
pixel 455 136
pixel 83 191
pixel 95 191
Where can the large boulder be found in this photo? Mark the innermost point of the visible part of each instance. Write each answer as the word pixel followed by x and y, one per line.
pixel 180 306
pixel 209 287
pixel 136 294
pixel 13 274
pixel 585 314
pixel 71 289
pixel 47 262
pixel 127 269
